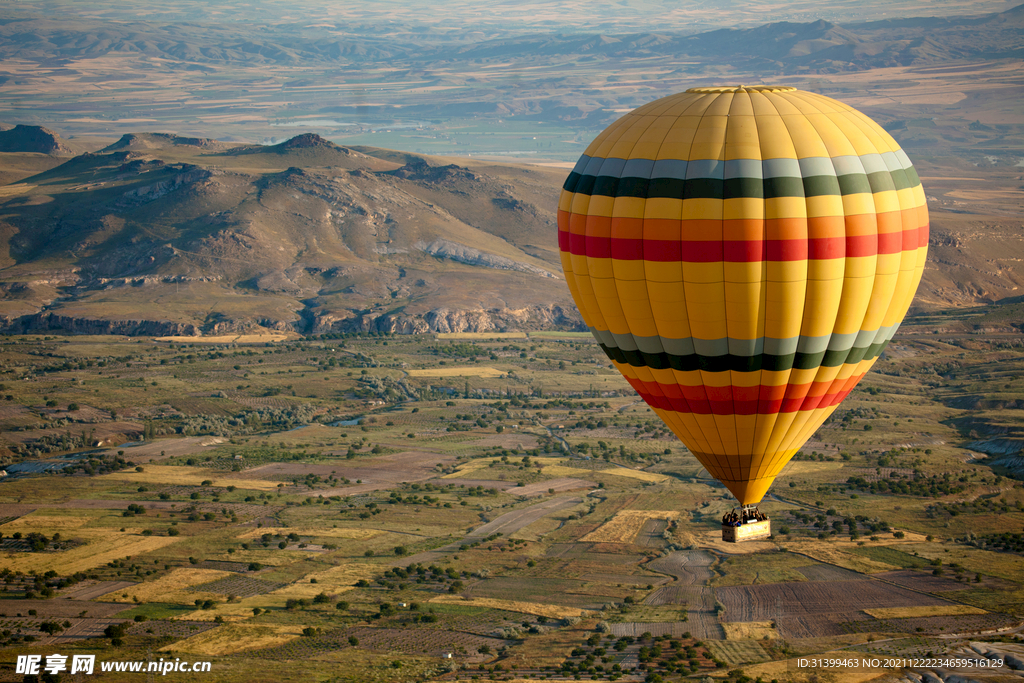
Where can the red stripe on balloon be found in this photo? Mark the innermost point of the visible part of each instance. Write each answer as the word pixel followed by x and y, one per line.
pixel 732 400
pixel 740 251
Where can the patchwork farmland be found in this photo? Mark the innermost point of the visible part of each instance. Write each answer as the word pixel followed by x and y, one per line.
pixel 325 534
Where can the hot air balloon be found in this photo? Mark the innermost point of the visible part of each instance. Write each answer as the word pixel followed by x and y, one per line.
pixel 743 255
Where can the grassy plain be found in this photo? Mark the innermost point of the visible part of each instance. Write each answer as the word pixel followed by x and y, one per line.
pixel 625 526
pixel 922 611
pixel 233 638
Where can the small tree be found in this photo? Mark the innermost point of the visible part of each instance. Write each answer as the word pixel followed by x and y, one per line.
pixel 50 627
pixel 116 632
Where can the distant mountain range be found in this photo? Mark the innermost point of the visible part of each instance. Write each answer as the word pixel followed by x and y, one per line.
pixel 820 45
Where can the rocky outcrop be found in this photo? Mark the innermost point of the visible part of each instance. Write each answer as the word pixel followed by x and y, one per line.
pixel 1011 654
pixel 417 168
pixel 157 140
pixel 1013 463
pixel 306 141
pixel 186 174
pixel 50 322
pixel 307 321
pixel 449 320
pixel 303 141
pixel 998 446
pixel 144 280
pixel 474 257
pixel 976 402
pixel 278 282
pixel 217 326
pixel 313 322
pixel 35 139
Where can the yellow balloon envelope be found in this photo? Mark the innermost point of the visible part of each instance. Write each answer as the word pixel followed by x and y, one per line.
pixel 743 255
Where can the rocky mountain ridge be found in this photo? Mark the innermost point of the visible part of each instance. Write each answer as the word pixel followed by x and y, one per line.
pixel 165 235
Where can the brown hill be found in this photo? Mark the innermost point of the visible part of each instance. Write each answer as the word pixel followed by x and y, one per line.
pixel 305 235
pixel 148 141
pixel 33 139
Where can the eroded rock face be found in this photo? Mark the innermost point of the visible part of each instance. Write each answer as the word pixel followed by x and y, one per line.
pixel 447 320
pixel 438 320
pixel 51 322
pixel 1012 447
pixel 474 257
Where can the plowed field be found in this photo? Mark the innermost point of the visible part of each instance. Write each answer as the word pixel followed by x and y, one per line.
pixel 59 608
pixel 690 567
pixel 758 603
pixel 88 589
pixel 950 624
pixel 815 608
pixel 695 597
pixel 506 524
pixel 921 581
pixel 650 535
pixel 692 570
pixel 566 592
pixel 826 572
pixel 541 487
pixel 586 552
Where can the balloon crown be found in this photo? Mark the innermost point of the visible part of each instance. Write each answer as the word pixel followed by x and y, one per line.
pixel 744 88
